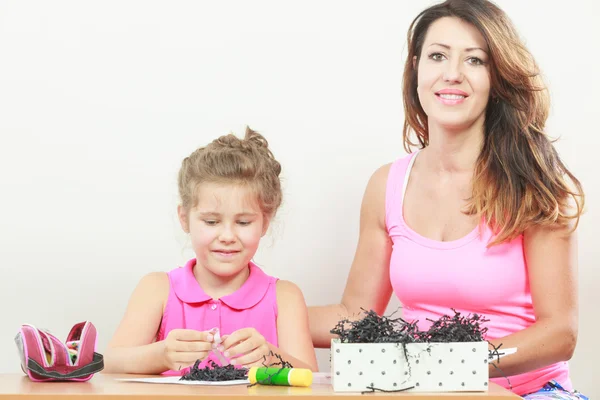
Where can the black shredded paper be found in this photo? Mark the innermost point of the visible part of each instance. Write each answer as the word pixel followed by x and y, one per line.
pixel 373 328
pixel 214 372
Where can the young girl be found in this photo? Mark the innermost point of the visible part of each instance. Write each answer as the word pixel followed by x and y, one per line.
pixel 220 306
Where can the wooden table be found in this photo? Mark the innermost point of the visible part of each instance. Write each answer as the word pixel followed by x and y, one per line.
pixel 104 386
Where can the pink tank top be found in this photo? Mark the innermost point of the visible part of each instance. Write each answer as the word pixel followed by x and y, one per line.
pixel 431 277
pixel 254 305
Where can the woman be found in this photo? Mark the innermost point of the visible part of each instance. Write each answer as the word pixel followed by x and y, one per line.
pixel 482 217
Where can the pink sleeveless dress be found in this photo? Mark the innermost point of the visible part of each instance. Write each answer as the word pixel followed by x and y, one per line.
pixel 253 305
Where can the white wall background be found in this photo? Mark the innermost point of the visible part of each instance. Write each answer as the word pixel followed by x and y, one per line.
pixel 100 101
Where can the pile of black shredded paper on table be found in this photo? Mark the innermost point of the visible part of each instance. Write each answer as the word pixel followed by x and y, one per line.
pixel 214 372
pixel 373 328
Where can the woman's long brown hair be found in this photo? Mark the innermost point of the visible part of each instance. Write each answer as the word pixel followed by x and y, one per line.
pixel 519 179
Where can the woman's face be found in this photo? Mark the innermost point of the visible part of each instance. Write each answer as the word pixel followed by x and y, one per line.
pixel 453 74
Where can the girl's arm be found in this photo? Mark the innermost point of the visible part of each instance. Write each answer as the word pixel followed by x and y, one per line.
pixel 248 347
pixel 551 255
pixel 295 343
pixel 368 285
pixel 131 349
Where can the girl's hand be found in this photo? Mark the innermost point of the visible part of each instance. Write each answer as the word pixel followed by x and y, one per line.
pixel 182 347
pixel 246 347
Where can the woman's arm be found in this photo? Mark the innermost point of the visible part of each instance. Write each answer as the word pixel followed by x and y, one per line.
pixel 551 255
pixel 368 285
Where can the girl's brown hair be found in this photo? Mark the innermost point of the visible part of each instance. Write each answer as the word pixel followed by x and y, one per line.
pixel 519 180
pixel 230 159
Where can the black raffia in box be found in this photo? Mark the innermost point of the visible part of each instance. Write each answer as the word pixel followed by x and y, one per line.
pixel 426 367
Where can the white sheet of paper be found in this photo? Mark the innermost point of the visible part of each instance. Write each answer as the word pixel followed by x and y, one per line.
pixel 322 378
pixel 503 352
pixel 175 380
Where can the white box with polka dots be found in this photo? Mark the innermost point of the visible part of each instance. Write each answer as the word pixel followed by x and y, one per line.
pixel 414 367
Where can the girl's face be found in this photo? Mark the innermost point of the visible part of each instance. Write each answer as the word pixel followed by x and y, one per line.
pixel 453 74
pixel 225 227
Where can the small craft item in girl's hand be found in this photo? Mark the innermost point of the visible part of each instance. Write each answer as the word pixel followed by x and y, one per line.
pixel 45 358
